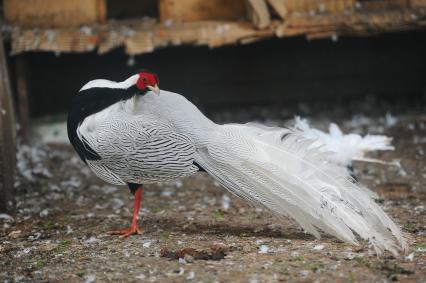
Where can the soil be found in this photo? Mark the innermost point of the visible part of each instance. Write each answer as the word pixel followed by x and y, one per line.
pixel 195 231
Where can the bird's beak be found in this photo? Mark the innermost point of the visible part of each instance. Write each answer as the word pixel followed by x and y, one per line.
pixel 155 89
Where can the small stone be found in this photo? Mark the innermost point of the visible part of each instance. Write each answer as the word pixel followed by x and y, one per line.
pixel 246 248
pixel 90 278
pixel 182 261
pixel 318 247
pixel 189 258
pixel 14 234
pixel 140 276
pixel 191 275
pixel 6 217
pixel 44 212
pixel 357 249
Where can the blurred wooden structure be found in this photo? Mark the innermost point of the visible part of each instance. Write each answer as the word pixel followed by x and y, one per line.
pixel 216 23
pixel 7 136
pixel 81 25
pixel 53 13
pixel 201 10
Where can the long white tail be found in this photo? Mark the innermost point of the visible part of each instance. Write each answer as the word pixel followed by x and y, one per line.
pixel 277 168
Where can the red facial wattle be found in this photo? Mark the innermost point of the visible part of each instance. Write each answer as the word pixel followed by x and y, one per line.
pixel 146 79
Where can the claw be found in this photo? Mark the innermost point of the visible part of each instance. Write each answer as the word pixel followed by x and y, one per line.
pixel 124 233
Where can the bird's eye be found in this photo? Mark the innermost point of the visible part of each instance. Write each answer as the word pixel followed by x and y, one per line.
pixel 145 80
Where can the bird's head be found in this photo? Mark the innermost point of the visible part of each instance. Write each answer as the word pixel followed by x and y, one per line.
pixel 148 81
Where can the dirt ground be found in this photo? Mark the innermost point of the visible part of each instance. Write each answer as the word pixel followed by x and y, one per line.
pixel 197 232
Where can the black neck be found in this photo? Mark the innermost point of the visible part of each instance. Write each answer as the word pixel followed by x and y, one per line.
pixel 86 103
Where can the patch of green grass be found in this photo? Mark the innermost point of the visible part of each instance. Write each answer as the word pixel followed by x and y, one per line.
pixel 351 277
pixel 65 243
pixel 40 263
pixel 285 272
pixel 362 262
pixel 49 225
pixel 63 246
pixel 420 246
pixel 394 269
pixel 164 236
pixel 299 258
pixel 80 273
pixel 410 227
pixel 315 266
pixel 190 227
pixel 157 209
pixel 218 214
pixel 401 270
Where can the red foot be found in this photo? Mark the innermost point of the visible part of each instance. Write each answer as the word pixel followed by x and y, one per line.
pixel 124 233
pixel 133 229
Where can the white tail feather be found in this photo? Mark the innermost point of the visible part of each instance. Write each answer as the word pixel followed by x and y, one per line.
pixel 347 147
pixel 279 169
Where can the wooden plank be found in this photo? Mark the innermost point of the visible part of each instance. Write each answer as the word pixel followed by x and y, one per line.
pixel 418 3
pixel 311 6
pixel 279 7
pixel 143 36
pixel 54 13
pixel 258 13
pixel 362 24
pixel 384 4
pixel 201 10
pixel 7 136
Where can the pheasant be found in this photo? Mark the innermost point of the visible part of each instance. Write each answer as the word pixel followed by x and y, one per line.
pixel 130 133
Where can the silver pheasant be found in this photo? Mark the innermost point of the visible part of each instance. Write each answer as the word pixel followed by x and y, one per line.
pixel 130 133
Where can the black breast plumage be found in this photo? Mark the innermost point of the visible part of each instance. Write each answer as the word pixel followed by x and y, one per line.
pixel 86 103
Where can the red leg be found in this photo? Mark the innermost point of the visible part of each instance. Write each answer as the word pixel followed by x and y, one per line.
pixel 134 228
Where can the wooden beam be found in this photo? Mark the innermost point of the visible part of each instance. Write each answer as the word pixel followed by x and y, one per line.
pixel 201 10
pixel 279 7
pixel 7 136
pixel 54 13
pixel 285 7
pixel 22 95
pixel 258 13
pixel 417 3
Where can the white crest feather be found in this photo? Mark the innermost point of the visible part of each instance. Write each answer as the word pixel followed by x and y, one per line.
pixel 111 84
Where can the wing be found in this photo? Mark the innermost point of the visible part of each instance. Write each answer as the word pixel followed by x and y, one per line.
pixel 140 151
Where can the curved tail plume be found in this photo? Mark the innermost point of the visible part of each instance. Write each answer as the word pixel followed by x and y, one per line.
pixel 279 169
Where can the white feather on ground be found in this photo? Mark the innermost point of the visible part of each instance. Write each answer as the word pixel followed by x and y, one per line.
pixel 347 147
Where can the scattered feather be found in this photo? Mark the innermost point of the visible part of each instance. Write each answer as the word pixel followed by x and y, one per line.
pixel 90 278
pixel 263 249
pixel 318 247
pixel 410 257
pixel 191 275
pixel 6 217
pixel 225 202
pixel 390 120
